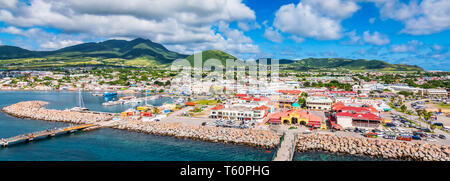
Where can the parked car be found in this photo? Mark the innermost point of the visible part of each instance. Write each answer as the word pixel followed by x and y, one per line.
pixel 415 137
pixel 371 135
pixel 404 138
pixel 442 136
pixel 390 124
pixel 391 136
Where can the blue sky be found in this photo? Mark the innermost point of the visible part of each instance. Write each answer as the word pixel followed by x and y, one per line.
pixel 397 31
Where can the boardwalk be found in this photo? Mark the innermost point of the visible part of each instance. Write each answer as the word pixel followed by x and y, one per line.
pixel 287 147
pixel 45 133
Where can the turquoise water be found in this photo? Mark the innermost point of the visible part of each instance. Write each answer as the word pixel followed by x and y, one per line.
pixel 324 156
pixel 110 144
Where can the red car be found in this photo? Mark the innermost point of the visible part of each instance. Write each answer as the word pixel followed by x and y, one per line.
pixel 404 138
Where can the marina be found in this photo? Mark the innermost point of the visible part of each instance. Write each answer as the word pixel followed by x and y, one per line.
pixel 99 144
pixel 288 149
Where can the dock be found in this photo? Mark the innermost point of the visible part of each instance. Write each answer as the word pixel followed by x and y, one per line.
pixel 45 134
pixel 286 149
pixel 106 113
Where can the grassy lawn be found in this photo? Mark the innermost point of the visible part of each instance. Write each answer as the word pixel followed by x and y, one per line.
pixel 206 102
pixel 446 106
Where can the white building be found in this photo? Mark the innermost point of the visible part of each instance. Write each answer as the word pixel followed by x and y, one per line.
pixel 319 102
pixel 437 92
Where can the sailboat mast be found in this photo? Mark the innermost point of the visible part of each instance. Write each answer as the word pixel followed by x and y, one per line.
pixel 79 97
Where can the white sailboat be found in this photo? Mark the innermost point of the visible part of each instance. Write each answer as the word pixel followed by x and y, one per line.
pixel 80 107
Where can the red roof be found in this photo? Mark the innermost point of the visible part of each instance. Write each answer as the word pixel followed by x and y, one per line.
pixel 250 99
pixel 290 91
pixel 241 95
pixel 263 107
pixel 338 106
pixel 189 103
pixel 366 116
pixel 355 109
pixel 343 92
pixel 220 106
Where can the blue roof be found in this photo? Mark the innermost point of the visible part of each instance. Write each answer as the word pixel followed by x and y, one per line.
pixel 295 104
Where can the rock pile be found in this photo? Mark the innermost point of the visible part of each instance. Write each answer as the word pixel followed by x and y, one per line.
pixel 257 138
pixel 36 110
pixel 374 147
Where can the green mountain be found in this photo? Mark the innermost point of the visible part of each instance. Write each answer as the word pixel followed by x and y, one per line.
pixel 212 54
pixel 137 52
pixel 342 63
pixel 8 52
pixel 122 49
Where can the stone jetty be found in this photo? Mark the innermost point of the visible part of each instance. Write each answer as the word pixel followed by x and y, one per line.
pixel 36 110
pixel 256 138
pixel 391 149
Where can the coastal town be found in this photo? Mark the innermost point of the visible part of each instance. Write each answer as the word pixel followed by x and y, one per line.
pixel 393 115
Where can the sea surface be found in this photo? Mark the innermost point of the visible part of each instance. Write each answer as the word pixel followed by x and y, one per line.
pixel 117 145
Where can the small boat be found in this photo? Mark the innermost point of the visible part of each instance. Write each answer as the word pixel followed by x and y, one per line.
pixel 109 94
pixel 80 107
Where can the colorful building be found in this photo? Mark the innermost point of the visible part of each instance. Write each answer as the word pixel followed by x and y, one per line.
pixel 296 117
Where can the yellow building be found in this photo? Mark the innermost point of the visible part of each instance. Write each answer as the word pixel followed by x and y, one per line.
pixel 297 116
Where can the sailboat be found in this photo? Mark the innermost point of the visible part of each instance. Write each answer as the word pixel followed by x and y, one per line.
pixel 145 106
pixel 80 107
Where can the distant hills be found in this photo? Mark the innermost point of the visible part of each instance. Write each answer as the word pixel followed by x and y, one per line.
pixel 351 64
pixel 144 53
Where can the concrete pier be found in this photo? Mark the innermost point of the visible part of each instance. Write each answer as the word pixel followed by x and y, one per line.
pixel 42 134
pixel 287 147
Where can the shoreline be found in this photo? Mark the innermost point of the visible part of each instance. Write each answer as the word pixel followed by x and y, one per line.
pixel 390 149
pixel 256 138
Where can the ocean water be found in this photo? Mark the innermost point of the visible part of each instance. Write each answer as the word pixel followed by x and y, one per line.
pixel 116 145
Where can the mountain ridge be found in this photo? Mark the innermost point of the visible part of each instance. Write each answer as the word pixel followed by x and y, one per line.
pixel 141 52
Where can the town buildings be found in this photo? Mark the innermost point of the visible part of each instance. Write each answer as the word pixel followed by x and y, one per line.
pixel 319 102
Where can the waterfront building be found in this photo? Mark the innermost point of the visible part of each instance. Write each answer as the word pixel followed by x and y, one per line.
pixel 296 117
pixel 357 120
pixel 239 112
pixel 319 102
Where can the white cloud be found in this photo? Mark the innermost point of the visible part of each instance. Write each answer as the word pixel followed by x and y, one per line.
pixel 248 26
pixel 376 38
pixel 273 35
pixel 12 30
pixel 46 41
pixel 297 39
pixel 437 47
pixel 175 23
pixel 353 38
pixel 8 3
pixel 411 46
pixel 426 17
pixel 319 19
pixel 371 20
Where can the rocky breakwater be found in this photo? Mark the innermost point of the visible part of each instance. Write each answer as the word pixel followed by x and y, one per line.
pixel 257 138
pixel 36 110
pixel 391 149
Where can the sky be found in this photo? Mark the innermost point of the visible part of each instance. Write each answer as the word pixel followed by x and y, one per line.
pixel 415 32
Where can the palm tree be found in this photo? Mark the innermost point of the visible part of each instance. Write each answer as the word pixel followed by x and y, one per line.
pixel 155 110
